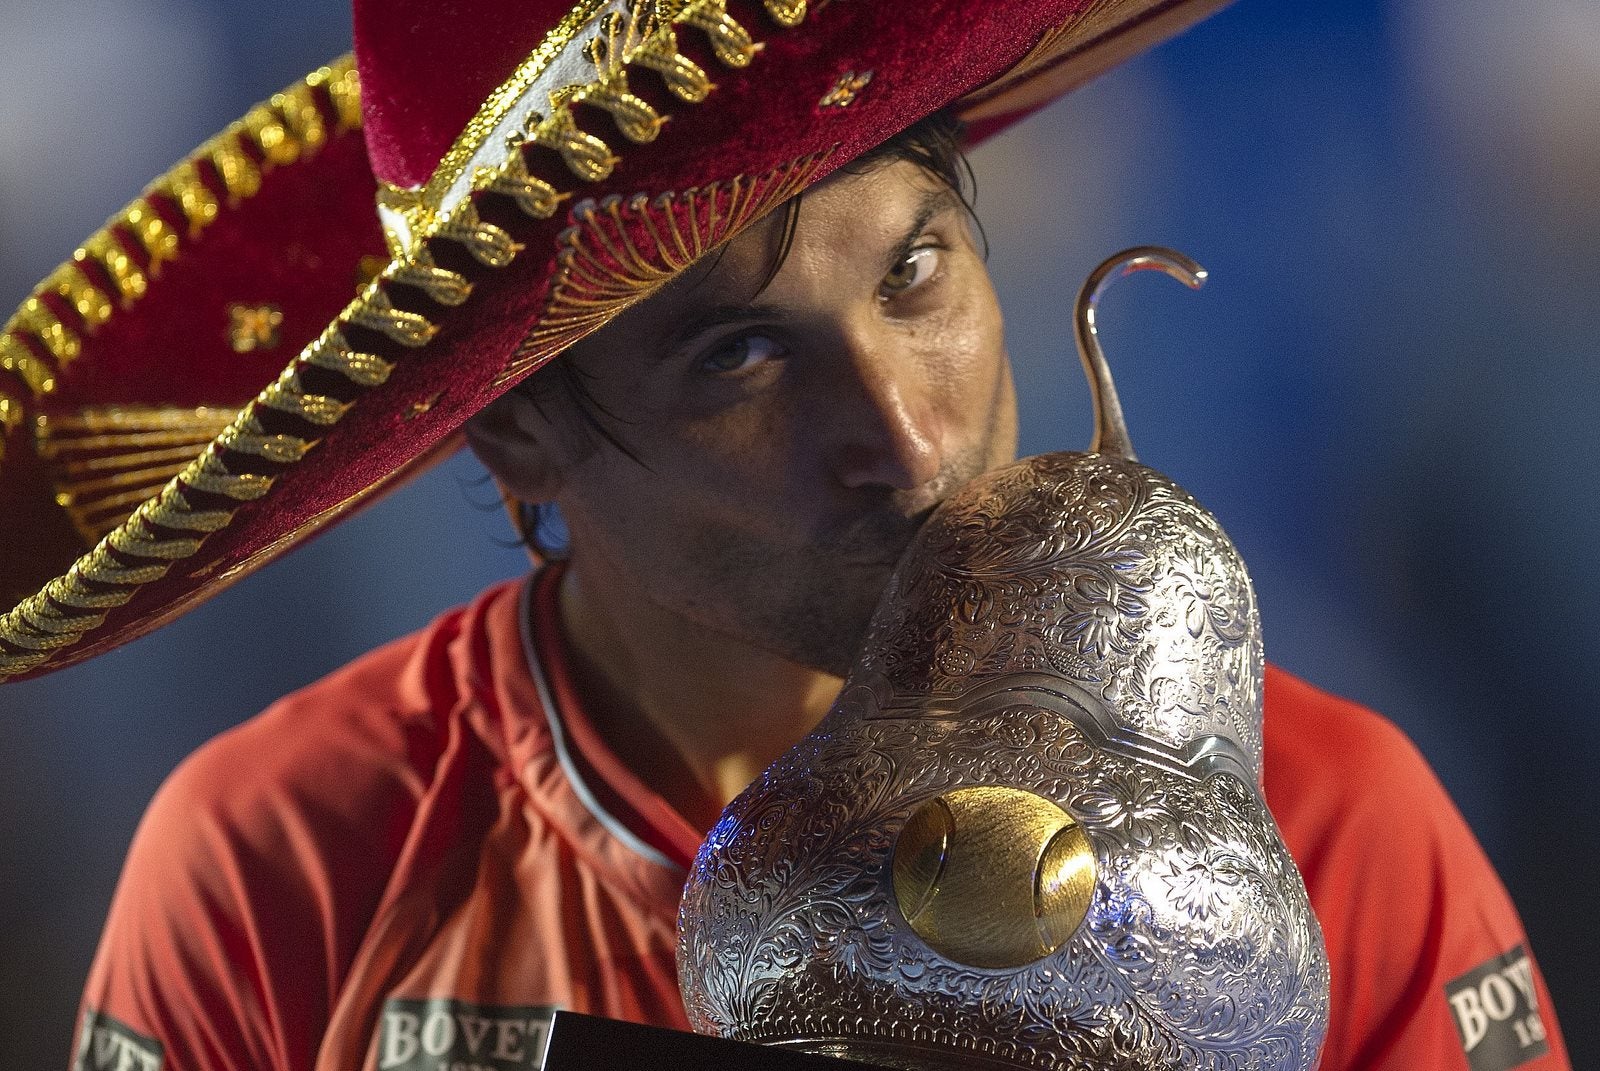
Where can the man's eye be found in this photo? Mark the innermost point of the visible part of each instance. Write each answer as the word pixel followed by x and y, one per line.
pixel 911 272
pixel 740 353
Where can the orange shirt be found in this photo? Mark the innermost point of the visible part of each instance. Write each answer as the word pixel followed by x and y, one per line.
pixel 405 866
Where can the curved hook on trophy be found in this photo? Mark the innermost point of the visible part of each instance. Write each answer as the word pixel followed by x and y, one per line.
pixel 1110 429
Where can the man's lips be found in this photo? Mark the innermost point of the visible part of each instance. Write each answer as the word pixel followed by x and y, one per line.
pixel 879 540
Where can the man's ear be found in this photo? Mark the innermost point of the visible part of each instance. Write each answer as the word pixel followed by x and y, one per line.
pixel 514 441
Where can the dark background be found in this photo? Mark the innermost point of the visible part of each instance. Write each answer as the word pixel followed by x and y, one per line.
pixel 1388 393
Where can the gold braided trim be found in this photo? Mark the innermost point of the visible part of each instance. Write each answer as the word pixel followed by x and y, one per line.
pixel 104 275
pixel 136 538
pixel 12 416
pixel 489 245
pixel 730 42
pixel 501 102
pixel 170 509
pixel 444 286
pixel 18 359
pixel 253 439
pixel 209 474
pixel 100 567
pixel 410 329
pixel 287 396
pixel 141 550
pixel 332 352
pixel 786 13
pixel 656 49
pixel 48 631
pixel 604 267
pixel 684 77
pixel 534 196
pixel 636 33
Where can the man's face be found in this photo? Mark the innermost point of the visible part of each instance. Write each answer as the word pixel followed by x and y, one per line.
pixel 787 443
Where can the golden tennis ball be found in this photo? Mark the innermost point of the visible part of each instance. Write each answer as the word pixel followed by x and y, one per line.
pixel 992 876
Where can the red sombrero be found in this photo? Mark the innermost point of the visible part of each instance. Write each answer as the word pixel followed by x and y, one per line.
pixel 244 355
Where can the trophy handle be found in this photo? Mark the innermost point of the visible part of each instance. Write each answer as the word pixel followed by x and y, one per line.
pixel 1110 430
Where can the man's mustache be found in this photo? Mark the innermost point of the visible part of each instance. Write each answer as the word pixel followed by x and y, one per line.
pixel 879 535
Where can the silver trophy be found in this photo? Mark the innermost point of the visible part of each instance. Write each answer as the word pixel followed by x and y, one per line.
pixel 1031 831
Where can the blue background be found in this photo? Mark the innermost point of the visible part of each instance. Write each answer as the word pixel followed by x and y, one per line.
pixel 1388 393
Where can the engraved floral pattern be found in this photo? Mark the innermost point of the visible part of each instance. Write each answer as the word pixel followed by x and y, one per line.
pixel 1077 626
pixel 1092 567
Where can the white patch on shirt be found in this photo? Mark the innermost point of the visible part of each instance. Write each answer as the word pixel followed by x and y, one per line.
pixel 452 1035
pixel 1496 1009
pixel 104 1044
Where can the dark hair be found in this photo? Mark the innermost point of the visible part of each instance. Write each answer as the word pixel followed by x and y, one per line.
pixel 932 143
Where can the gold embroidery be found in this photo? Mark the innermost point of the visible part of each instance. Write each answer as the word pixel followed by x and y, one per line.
pixel 533 195
pixel 269 129
pixel 137 539
pixel 104 461
pixel 621 251
pixel 254 327
pixel 645 36
pixel 249 437
pixel 407 204
pixel 504 99
pixel 171 510
pixel 684 77
pixel 11 418
pixel 343 86
pixel 18 359
pixel 332 352
pixel 584 154
pixel 279 131
pixel 590 289
pixel 208 473
pixel 287 396
pixel 730 42
pixel 44 639
pixel 37 319
pixel 129 279
pixel 241 178
pixel 444 286
pixel 100 567
pixel 421 406
pixel 302 119
pixel 619 41
pixel 786 13
pixel 491 246
pixel 845 90
pixel 91 303
pixel 194 198
pixel 158 239
pixel 378 313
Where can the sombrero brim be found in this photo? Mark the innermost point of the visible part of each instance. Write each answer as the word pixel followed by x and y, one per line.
pixel 158 448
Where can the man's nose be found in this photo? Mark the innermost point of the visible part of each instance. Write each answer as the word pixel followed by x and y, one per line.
pixel 888 427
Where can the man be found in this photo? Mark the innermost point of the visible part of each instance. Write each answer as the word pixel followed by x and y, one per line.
pixel 739 458
pixel 753 461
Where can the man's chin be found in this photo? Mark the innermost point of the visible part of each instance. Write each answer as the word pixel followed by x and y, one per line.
pixel 827 633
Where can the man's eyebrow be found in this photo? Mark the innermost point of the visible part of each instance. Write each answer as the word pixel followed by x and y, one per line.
pixel 930 204
pixel 714 316
pixel 933 202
